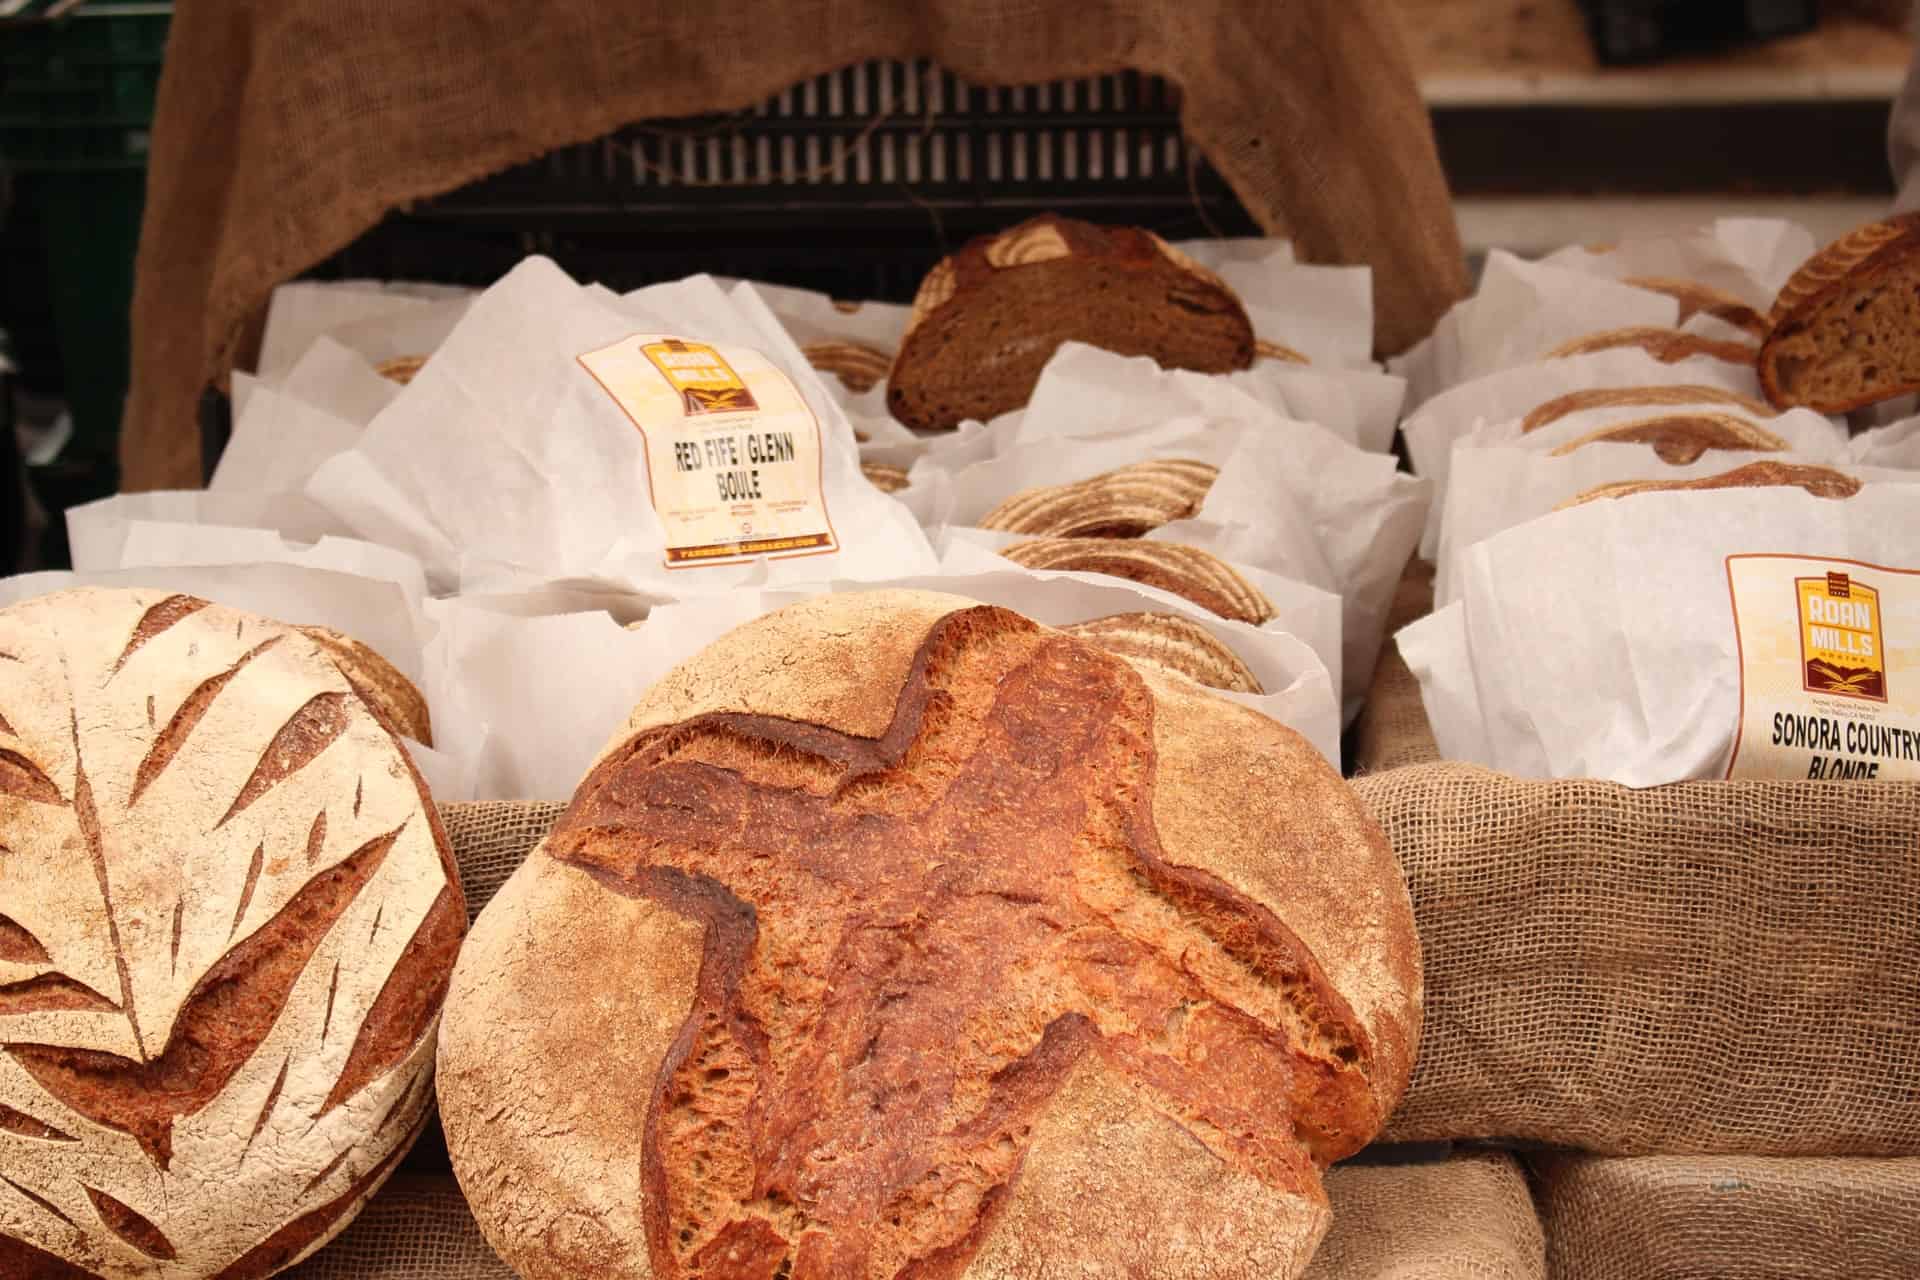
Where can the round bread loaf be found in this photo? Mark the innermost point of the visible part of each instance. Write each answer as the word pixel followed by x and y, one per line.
pixel 227 918
pixel 903 936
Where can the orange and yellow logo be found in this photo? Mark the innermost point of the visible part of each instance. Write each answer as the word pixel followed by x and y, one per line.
pixel 1842 650
pixel 702 376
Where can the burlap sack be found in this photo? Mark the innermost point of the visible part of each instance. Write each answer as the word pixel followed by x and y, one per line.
pixel 1708 966
pixel 1393 729
pixel 1465 1219
pixel 1730 1218
pixel 286 128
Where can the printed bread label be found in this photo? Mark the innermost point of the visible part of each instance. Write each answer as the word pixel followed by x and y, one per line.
pixel 1829 668
pixel 733 451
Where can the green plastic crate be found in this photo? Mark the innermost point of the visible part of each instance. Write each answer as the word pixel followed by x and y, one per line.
pixel 77 89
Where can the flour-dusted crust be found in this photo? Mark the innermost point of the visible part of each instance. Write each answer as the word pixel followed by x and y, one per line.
pixel 885 477
pixel 1669 346
pixel 1638 397
pixel 1821 482
pixel 227 917
pixel 1052 968
pixel 1681 438
pixel 987 318
pixel 1843 328
pixel 1169 642
pixel 858 366
pixel 1192 573
pixel 378 682
pixel 1123 503
pixel 1696 298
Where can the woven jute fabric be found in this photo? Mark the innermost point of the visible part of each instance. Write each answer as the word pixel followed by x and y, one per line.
pixel 1728 967
pixel 1393 729
pixel 286 128
pixel 1468 1218
pixel 1730 1217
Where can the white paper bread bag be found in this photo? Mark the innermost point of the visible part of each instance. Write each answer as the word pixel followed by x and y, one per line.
pixel 1737 633
pixel 1746 258
pixel 537 738
pixel 302 311
pixel 1499 486
pixel 380 614
pixel 672 439
pixel 1551 403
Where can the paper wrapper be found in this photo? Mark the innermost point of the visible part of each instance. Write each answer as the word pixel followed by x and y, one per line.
pixel 302 311
pixel 1292 499
pixel 1750 258
pixel 1499 487
pixel 1499 402
pixel 505 461
pixel 97 531
pixel 1894 445
pixel 1600 641
pixel 539 736
pixel 1324 313
pixel 379 614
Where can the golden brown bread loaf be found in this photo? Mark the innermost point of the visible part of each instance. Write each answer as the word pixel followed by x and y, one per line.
pixel 228 914
pixel 1638 397
pixel 1844 326
pixel 1821 482
pixel 400 369
pixel 1123 503
pixel 1189 572
pixel 379 682
pixel 884 476
pixel 912 938
pixel 858 366
pixel 1681 438
pixel 1669 346
pixel 1703 299
pixel 1169 642
pixel 987 318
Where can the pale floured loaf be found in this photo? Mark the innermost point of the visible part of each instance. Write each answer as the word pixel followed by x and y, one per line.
pixel 1821 482
pixel 1123 503
pixel 1192 573
pixel 1169 642
pixel 227 918
pixel 988 318
pixel 908 938
pixel 1846 326
pixel 1680 438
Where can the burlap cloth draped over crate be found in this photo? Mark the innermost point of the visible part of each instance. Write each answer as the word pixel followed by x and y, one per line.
pixel 1705 967
pixel 1755 1218
pixel 286 128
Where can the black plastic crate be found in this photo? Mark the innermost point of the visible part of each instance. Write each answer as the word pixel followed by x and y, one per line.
pixel 1634 31
pixel 854 182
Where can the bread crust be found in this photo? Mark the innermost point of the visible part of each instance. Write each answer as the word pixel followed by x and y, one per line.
pixel 1168 642
pixel 1863 258
pixel 1115 1173
pixel 1123 503
pixel 1638 397
pixel 1189 572
pixel 1681 438
pixel 401 369
pixel 858 366
pixel 1004 303
pixel 1669 346
pixel 1696 298
pixel 884 476
pixel 1821 482
pixel 228 913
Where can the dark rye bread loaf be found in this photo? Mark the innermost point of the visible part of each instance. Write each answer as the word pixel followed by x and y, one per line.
pixel 912 939
pixel 1681 438
pixel 1846 326
pixel 1169 642
pixel 227 918
pixel 1192 573
pixel 1821 482
pixel 989 317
